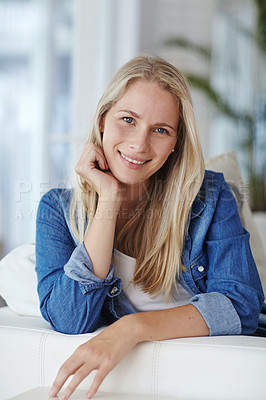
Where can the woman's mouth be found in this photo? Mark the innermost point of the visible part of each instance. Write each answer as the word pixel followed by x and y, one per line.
pixel 133 161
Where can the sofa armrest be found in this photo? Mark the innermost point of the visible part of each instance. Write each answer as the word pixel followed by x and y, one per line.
pixel 209 368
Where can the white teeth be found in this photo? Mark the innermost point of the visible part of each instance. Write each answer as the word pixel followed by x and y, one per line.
pixel 132 161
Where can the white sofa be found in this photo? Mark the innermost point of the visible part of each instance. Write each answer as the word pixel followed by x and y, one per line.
pixel 225 368
pixel 211 368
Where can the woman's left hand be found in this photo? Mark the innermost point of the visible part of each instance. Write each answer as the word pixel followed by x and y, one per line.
pixel 101 353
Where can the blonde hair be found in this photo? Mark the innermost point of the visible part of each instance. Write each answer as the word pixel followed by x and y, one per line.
pixel 155 234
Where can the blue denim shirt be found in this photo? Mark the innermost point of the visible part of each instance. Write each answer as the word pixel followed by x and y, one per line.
pixel 220 271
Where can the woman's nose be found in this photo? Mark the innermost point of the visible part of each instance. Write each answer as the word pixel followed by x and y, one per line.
pixel 141 141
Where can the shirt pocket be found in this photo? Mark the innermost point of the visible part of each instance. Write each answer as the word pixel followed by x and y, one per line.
pixel 199 270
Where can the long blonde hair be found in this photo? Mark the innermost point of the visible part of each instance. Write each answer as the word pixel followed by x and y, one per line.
pixel 155 234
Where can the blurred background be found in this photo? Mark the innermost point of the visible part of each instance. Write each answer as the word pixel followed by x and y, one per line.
pixel 56 57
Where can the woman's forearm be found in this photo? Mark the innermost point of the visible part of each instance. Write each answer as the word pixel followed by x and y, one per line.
pixel 104 351
pixel 99 239
pixel 183 321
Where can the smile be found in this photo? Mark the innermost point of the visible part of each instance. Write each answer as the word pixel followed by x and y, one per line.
pixel 131 160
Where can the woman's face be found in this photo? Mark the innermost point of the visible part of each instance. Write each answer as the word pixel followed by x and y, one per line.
pixel 140 132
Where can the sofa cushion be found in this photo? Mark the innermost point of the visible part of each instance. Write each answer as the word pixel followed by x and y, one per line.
pixel 227 163
pixel 18 280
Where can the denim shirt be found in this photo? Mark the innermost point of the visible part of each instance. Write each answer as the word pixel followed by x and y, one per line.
pixel 220 272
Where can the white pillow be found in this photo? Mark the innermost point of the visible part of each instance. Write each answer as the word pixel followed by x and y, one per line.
pixel 18 280
pixel 227 163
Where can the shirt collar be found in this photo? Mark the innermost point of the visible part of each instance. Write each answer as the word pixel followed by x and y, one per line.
pixel 197 207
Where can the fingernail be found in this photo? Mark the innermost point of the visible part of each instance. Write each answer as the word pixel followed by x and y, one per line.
pixel 52 393
pixel 89 395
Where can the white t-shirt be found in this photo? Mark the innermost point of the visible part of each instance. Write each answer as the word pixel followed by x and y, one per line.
pixel 124 268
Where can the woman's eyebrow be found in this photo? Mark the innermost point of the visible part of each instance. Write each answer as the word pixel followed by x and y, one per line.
pixel 131 112
pixel 134 114
pixel 165 124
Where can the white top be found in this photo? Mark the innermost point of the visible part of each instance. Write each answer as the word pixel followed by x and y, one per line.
pixel 124 268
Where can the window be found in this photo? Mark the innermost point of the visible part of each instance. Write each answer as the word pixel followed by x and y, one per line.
pixel 35 116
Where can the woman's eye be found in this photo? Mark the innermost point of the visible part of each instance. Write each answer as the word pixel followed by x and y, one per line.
pixel 129 120
pixel 162 131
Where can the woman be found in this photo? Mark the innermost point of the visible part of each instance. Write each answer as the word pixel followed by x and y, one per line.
pixel 146 216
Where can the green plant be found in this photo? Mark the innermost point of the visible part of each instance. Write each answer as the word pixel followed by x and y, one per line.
pixel 247 120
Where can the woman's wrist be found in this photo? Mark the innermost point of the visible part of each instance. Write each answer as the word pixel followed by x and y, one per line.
pixel 134 326
pixel 112 194
pixel 108 209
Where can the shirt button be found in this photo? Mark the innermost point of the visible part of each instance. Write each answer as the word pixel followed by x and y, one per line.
pixel 200 268
pixel 114 290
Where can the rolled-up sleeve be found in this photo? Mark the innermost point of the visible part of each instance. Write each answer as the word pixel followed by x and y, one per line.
pixel 79 267
pixel 218 312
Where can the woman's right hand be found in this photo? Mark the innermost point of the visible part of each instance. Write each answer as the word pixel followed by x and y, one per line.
pixel 93 168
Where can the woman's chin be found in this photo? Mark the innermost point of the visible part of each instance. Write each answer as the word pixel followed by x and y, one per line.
pixel 128 180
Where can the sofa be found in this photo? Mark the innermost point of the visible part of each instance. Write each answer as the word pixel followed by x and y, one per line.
pixel 208 368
